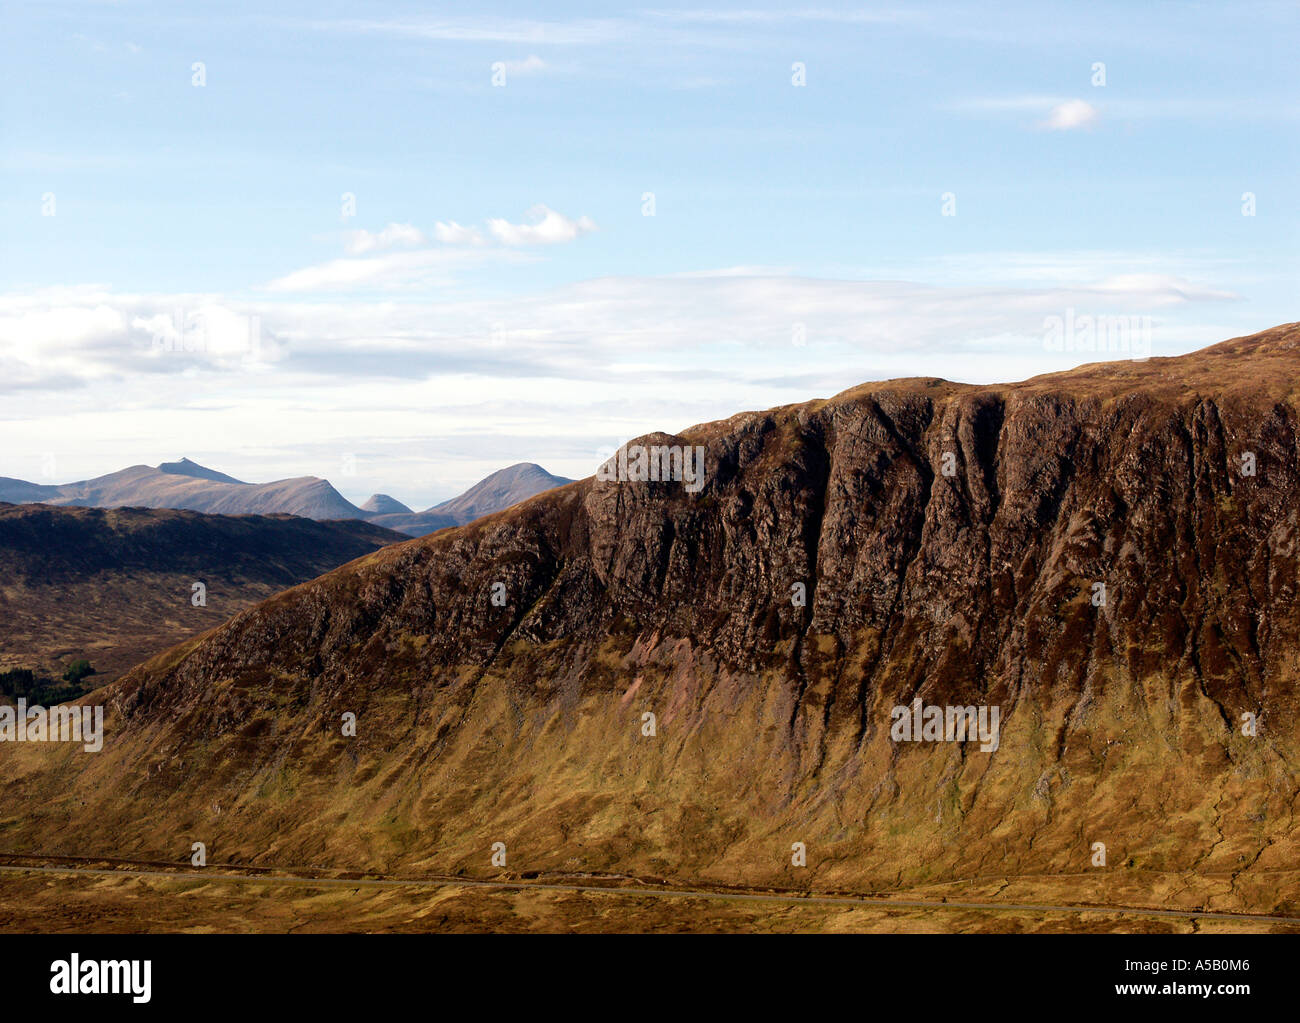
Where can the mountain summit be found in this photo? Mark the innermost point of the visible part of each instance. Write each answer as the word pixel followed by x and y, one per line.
pixel 382 504
pixel 503 488
pixel 187 468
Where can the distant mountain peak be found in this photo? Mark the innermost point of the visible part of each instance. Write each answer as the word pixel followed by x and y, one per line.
pixel 499 490
pixel 382 504
pixel 186 467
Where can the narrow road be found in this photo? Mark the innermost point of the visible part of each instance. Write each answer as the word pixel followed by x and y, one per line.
pixel 863 902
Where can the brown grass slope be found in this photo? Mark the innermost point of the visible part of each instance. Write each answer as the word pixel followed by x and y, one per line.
pixel 522 723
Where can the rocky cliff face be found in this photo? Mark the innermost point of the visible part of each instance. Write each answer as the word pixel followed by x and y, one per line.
pixel 1108 556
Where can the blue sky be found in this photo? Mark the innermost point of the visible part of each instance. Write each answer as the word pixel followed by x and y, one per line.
pixel 498 293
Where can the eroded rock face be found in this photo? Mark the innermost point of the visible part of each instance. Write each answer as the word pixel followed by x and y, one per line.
pixel 1108 556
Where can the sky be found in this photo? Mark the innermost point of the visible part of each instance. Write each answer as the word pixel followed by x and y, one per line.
pixel 402 245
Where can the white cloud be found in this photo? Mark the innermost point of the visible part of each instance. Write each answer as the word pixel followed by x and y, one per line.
pixel 1073 113
pixel 548 227
pixel 1060 113
pixel 453 234
pixel 363 241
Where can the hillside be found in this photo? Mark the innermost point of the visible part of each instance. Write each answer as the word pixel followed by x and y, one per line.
pixel 523 723
pixel 116 586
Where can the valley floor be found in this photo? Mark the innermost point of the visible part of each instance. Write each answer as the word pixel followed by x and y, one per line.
pixel 58 896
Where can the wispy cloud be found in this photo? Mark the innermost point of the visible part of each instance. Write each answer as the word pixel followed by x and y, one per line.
pixel 1055 113
pixel 530 65
pixel 421 268
pixel 1065 112
pixel 369 265
pixel 780 17
pixel 488 29
pixel 576 332
pixel 362 241
pixel 1073 113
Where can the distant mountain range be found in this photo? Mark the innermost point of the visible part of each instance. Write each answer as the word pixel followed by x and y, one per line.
pixel 193 487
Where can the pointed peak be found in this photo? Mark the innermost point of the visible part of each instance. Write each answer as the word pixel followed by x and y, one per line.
pixel 499 490
pixel 382 504
pixel 187 467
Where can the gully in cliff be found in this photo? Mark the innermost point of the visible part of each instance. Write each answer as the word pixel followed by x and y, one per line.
pixel 636 463
pixel 946 724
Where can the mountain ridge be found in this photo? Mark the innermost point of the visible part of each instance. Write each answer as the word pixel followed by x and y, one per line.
pixel 185 484
pixel 524 721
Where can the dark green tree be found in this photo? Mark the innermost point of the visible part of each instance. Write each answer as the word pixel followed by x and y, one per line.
pixel 78 670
